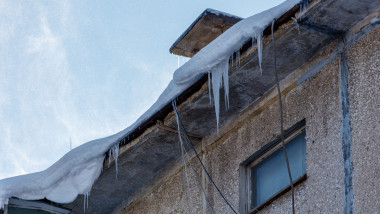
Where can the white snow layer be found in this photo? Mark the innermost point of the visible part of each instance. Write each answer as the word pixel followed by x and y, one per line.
pixel 217 12
pixel 76 171
pixel 229 42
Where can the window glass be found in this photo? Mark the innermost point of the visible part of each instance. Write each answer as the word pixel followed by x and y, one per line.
pixel 270 176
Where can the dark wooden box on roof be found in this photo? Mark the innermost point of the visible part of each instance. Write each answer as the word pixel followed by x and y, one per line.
pixel 209 25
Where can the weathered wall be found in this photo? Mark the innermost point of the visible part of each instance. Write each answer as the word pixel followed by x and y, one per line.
pixel 170 195
pixel 318 103
pixel 316 100
pixel 364 94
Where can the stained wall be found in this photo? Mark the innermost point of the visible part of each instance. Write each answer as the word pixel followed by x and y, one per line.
pixel 364 91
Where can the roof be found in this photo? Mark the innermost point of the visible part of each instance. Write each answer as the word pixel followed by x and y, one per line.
pixel 209 25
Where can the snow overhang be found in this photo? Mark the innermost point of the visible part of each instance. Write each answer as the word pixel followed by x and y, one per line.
pixel 209 25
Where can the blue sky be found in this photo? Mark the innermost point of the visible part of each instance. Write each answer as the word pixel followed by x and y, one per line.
pixel 85 69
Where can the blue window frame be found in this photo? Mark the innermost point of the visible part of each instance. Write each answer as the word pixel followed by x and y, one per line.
pixel 270 176
pixel 264 176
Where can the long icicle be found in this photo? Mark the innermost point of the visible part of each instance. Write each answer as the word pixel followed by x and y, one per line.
pixel 226 86
pixel 187 158
pixel 200 161
pixel 260 50
pixel 209 87
pixel 282 118
pixel 114 152
pixel 219 73
pixel 186 178
pixel 85 201
pixel 115 157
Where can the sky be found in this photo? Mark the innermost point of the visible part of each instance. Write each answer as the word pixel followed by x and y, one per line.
pixel 73 71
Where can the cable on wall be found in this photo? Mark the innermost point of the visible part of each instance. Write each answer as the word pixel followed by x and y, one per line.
pixel 282 117
pixel 180 124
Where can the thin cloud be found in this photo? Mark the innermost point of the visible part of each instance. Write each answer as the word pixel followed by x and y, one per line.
pixel 38 81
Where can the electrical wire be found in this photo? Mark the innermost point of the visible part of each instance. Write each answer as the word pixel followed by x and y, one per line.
pixel 282 117
pixel 198 178
pixel 186 177
pixel 187 158
pixel 200 161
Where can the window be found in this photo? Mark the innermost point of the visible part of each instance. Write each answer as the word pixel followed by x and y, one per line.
pixel 264 175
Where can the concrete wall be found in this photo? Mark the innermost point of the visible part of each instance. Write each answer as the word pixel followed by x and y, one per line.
pixel 318 103
pixel 364 90
pixel 316 100
pixel 170 195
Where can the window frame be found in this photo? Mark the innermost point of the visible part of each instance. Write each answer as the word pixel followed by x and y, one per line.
pixel 245 190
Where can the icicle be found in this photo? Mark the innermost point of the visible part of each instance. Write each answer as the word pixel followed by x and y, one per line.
pixel 236 59
pixel 109 157
pixel 209 87
pixel 87 198
pixel 216 81
pixel 186 176
pixel 226 86
pixel 303 5
pixel 232 60
pixel 85 201
pixel 115 156
pixel 177 61
pixel 219 72
pixel 114 151
pixel 259 49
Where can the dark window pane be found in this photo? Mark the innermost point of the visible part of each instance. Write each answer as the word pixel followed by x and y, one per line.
pixel 271 175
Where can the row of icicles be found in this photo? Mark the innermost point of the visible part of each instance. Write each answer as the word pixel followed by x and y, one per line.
pixel 218 77
pixel 220 71
pixel 113 152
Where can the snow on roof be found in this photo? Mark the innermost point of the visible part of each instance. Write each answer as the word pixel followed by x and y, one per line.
pixel 76 171
pixel 229 42
pixel 73 174
pixel 217 12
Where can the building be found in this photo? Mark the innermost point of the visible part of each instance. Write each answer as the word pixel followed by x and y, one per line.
pixel 328 64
